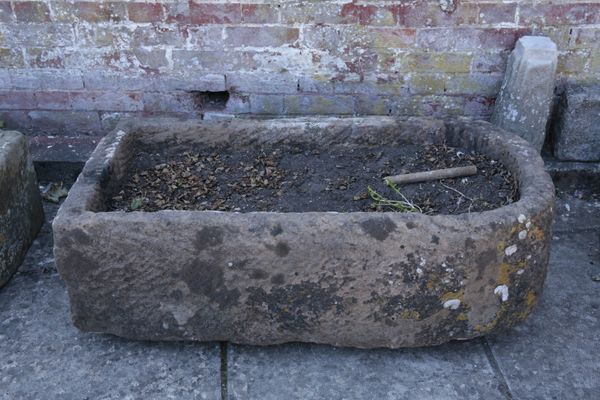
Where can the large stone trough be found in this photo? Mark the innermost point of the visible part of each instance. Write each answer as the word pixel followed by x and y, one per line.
pixel 362 279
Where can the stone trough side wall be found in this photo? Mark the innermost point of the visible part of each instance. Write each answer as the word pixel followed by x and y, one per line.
pixel 72 67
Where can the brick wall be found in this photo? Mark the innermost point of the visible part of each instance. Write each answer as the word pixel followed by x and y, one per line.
pixel 75 67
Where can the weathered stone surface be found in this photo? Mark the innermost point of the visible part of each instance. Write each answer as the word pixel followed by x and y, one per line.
pixel 577 128
pixel 352 279
pixel 21 214
pixel 523 106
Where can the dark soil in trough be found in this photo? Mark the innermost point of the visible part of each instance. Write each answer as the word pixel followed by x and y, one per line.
pixel 307 179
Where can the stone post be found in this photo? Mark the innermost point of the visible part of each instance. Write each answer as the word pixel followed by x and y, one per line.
pixel 523 106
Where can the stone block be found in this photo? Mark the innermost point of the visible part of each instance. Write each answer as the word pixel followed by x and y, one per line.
pixel 266 104
pixel 21 214
pixel 65 122
pixel 317 104
pixel 523 106
pixel 577 127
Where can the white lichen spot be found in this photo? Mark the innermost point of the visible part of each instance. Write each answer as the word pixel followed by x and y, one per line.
pixel 528 225
pixel 230 264
pixel 529 257
pixel 523 235
pixel 423 262
pixel 419 271
pixel 520 272
pixel 510 250
pixel 447 6
pixel 502 291
pixel 452 304
pixel 568 207
pixel 521 218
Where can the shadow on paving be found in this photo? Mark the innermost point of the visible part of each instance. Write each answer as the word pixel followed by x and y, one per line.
pixel 552 355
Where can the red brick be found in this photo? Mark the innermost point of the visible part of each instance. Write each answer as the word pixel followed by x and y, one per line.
pixel 106 101
pixel 145 12
pixel 17 100
pixel 313 13
pixel 497 13
pixel 96 12
pixel 260 13
pixel 31 11
pixel 6 14
pixel 44 58
pixel 443 39
pixel 51 100
pixel 560 14
pixel 362 14
pixel 393 37
pixel 266 36
pixel 480 106
pixel 210 13
pixel 11 58
pixel 177 12
pixel 425 14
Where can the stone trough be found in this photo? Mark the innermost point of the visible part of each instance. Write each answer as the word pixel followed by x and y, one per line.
pixel 362 279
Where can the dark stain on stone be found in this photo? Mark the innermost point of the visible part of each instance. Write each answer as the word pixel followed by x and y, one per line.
pixel 298 307
pixel 281 248
pixel 278 279
pixel 391 307
pixel 177 295
pixel 411 225
pixel 207 279
pixel 276 230
pixel 485 259
pixel 77 236
pixel 258 274
pixel 209 236
pixel 379 228
pixel 435 239
pixel 470 244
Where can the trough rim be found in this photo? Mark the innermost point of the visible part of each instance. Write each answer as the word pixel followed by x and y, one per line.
pixel 536 190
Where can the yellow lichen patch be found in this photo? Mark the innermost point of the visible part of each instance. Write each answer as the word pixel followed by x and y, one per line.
pixel 536 233
pixel 530 302
pixel 487 327
pixel 504 274
pixel 515 229
pixel 410 314
pixel 461 317
pixel 505 270
pixel 522 264
pixel 433 281
pixel 501 246
pixel 454 295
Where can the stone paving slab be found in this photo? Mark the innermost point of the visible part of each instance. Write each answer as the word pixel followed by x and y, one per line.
pixel 43 356
pixel 458 370
pixel 555 354
pixel 574 214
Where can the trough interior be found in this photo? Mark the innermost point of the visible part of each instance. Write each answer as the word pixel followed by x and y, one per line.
pixel 183 138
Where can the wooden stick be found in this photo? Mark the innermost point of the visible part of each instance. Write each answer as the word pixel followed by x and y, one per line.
pixel 432 175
